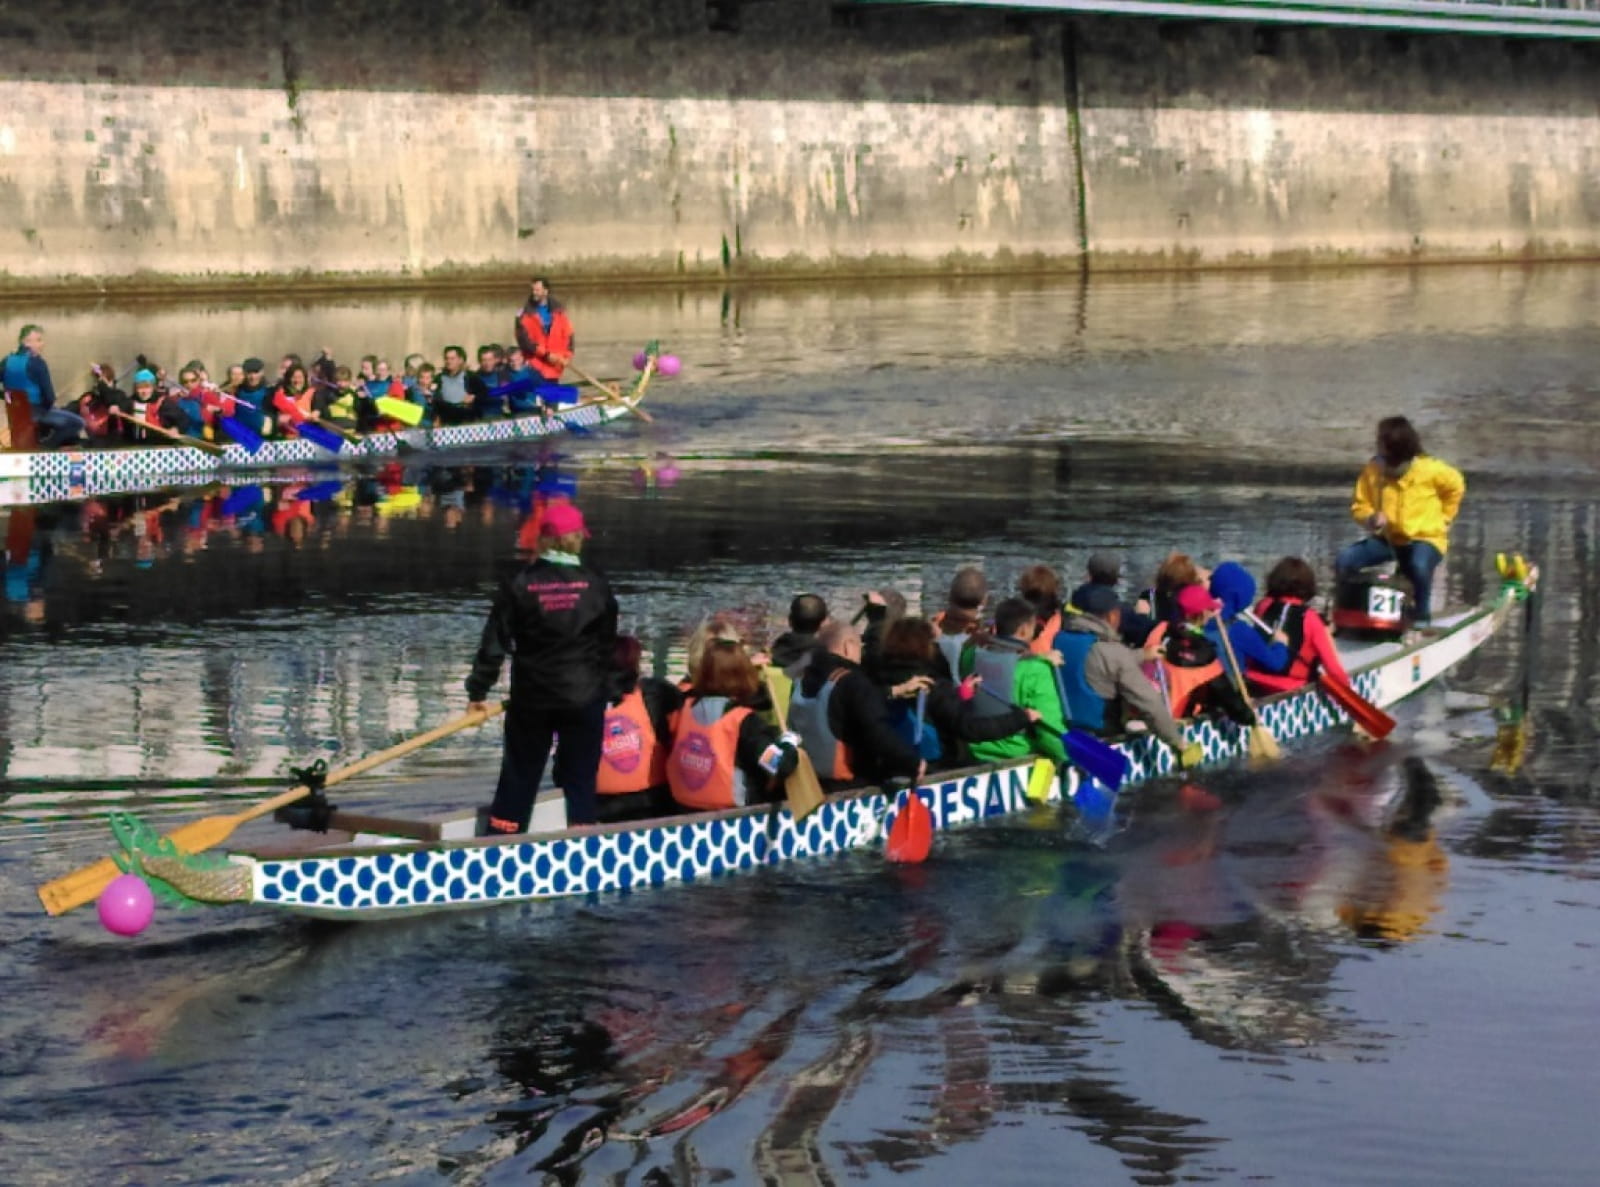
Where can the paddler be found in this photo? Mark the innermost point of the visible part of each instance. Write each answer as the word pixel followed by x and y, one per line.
pixel 1407 500
pixel 544 332
pixel 1103 679
pixel 842 718
pixel 557 618
pixel 1011 676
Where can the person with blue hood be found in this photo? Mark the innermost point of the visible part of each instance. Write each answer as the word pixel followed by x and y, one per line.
pixel 1233 586
pixel 33 419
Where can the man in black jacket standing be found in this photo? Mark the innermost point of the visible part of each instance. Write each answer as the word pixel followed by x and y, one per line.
pixel 557 619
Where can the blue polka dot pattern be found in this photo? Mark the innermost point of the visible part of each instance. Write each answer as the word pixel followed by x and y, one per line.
pixel 70 474
pixel 688 848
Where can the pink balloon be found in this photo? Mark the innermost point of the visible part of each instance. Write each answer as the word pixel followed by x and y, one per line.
pixel 668 365
pixel 126 906
pixel 639 360
pixel 668 475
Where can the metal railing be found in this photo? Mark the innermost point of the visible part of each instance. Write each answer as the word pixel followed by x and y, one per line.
pixel 1568 19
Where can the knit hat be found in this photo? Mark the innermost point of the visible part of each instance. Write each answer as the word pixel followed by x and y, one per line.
pixel 145 376
pixel 1104 569
pixel 1098 600
pixel 1194 602
pixel 1233 587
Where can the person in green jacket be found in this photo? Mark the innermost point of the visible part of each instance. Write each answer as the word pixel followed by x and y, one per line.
pixel 1008 675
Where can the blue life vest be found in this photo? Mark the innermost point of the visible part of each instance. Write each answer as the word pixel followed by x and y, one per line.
pixel 903 717
pixel 1085 708
pixel 17 378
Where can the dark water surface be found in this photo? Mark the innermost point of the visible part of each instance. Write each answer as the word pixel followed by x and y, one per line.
pixel 1369 966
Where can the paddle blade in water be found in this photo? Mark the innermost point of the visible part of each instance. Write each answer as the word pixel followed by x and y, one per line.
pixel 248 438
pixel 1096 805
pixel 1362 711
pixel 319 492
pixel 242 501
pixel 1040 778
pixel 1095 758
pixel 317 435
pixel 403 411
pixel 1264 747
pixel 911 834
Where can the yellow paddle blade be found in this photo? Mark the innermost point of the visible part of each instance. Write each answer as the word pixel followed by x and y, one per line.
pixel 402 410
pixel 803 789
pixel 1264 747
pixel 1040 778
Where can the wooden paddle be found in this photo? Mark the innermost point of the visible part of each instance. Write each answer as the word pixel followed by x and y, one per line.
pixel 615 394
pixel 84 885
pixel 1263 746
pixel 1362 711
pixel 170 434
pixel 802 788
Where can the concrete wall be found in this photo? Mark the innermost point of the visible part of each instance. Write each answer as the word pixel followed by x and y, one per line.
pixel 397 138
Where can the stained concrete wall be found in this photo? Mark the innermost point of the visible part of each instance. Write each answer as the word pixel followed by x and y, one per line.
pixel 397 138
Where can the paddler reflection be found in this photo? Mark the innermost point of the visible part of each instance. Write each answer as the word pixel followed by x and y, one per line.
pixel 1404 873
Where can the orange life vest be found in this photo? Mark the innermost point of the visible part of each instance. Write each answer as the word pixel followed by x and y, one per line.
pixel 1045 640
pixel 703 769
pixel 632 758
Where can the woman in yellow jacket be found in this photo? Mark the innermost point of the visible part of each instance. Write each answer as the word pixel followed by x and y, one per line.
pixel 1408 501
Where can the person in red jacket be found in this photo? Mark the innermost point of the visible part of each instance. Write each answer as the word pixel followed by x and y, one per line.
pixel 544 332
pixel 1290 587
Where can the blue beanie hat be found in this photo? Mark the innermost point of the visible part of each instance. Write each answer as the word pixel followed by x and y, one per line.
pixel 1233 587
pixel 144 376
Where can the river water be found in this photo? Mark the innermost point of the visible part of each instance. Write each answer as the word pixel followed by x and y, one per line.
pixel 1300 987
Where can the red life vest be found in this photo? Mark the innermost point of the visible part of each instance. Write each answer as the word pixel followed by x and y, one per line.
pixel 1289 616
pixel 555 344
pixel 703 770
pixel 632 758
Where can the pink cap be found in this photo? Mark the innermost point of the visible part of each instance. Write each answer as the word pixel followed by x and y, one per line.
pixel 560 519
pixel 1194 601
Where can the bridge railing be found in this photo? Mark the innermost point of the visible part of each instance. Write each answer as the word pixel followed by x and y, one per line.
pixel 1567 19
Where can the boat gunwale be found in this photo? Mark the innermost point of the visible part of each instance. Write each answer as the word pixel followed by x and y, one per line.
pixel 1452 626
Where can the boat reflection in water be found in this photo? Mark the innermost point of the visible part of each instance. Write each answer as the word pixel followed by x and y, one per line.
pixel 57 557
pixel 999 984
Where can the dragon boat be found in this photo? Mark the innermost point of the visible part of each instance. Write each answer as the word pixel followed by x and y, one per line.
pixel 50 476
pixel 367 867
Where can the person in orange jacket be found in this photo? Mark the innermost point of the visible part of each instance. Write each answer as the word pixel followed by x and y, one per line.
pixel 544 332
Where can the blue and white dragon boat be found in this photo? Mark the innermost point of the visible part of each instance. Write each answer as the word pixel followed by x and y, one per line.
pixel 58 475
pixel 380 867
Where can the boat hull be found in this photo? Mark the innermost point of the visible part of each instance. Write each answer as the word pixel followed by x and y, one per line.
pixel 60 475
pixel 396 878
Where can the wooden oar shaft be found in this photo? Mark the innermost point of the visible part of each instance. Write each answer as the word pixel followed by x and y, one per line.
pixel 170 434
pixel 84 885
pixel 614 393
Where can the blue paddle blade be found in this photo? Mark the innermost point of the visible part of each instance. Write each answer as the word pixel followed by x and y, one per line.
pixel 319 492
pixel 557 484
pixel 557 393
pixel 318 435
pixel 1095 804
pixel 515 387
pixel 248 438
pixel 242 501
pixel 1096 759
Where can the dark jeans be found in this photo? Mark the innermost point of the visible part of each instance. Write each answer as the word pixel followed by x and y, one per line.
pixel 529 733
pixel 1416 561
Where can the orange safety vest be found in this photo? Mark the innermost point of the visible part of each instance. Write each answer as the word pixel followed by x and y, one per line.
pixel 1045 640
pixel 556 343
pixel 632 758
pixel 703 770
